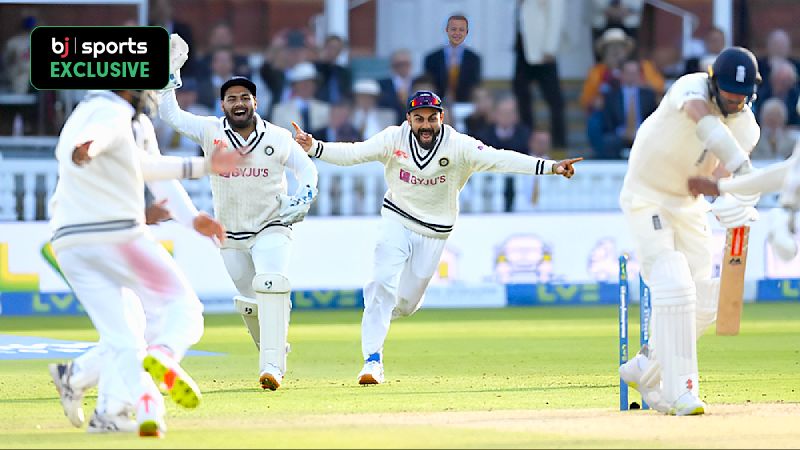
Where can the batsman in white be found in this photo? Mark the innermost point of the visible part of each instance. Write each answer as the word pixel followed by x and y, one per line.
pixel 783 176
pixel 113 264
pixel 73 379
pixel 252 204
pixel 426 166
pixel 703 121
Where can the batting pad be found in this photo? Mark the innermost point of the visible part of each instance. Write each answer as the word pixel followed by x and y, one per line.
pixel 707 300
pixel 274 307
pixel 674 298
pixel 248 308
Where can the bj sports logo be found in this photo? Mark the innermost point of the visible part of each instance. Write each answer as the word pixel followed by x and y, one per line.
pixel 115 58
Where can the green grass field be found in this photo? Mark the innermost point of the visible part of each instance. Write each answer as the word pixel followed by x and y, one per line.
pixel 455 378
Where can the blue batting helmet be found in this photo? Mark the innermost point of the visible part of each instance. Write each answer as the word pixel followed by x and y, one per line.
pixel 424 99
pixel 735 70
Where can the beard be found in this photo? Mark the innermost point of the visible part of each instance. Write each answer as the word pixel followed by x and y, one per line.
pixel 240 122
pixel 426 145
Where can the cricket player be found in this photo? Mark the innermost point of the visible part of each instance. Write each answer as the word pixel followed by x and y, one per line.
pixel 252 204
pixel 703 121
pixel 74 378
pixel 783 176
pixel 426 166
pixel 113 264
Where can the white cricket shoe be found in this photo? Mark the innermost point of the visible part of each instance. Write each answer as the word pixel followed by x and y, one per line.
pixel 71 399
pixel 372 373
pixel 644 375
pixel 166 370
pixel 112 423
pixel 687 405
pixel 270 378
pixel 150 416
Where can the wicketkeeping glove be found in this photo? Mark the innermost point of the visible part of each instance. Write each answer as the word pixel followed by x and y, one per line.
pixel 732 212
pixel 178 54
pixel 294 208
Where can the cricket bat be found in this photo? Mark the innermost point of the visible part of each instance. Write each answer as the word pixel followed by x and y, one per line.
pixel 731 284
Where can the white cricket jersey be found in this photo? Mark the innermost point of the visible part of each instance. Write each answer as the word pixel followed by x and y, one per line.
pixel 103 200
pixel 667 150
pixel 245 200
pixel 424 185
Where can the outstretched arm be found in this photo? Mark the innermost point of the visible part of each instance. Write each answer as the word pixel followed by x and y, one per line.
pixel 768 179
pixel 485 158
pixel 344 153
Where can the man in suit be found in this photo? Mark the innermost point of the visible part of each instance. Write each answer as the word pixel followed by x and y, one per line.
pixel 396 89
pixel 540 24
pixel 222 69
pixel 160 14
pixel 625 108
pixel 340 127
pixel 507 132
pixel 335 81
pixel 302 107
pixel 455 69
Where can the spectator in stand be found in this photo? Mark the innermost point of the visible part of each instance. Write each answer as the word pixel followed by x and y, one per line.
pixel 540 145
pixel 423 82
pixel 509 133
pixel 714 43
pixel 287 49
pixel 302 108
pixel 340 127
pixel 368 118
pixel 667 60
pixel 779 48
pixel 16 57
pixel 169 139
pixel 783 86
pixel 777 140
pixel 625 108
pixel 221 36
pixel 481 118
pixel 624 14
pixel 335 81
pixel 160 14
pixel 615 47
pixel 455 69
pixel 539 30
pixel 396 89
pixel 222 70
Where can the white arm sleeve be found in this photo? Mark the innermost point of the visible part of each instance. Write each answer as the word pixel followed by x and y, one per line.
pixel 721 142
pixel 301 166
pixel 791 184
pixel 375 148
pixel 768 179
pixel 178 202
pixel 485 158
pixel 158 167
pixel 187 124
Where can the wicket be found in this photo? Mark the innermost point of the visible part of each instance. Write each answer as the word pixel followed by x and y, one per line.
pixel 644 325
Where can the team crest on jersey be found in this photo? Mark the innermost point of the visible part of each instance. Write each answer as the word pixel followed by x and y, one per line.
pixel 400 154
pixel 269 150
pixel 444 162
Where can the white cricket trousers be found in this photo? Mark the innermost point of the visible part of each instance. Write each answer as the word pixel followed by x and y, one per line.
pixel 103 276
pixel 657 229
pixel 269 254
pixel 404 264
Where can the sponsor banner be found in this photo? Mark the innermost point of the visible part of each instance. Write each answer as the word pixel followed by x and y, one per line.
pixel 562 294
pixel 568 256
pixel 778 290
pixel 33 347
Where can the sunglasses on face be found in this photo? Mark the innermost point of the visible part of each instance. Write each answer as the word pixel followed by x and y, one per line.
pixel 425 100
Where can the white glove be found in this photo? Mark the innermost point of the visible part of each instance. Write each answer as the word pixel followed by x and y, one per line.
pixel 178 54
pixel 781 233
pixel 731 213
pixel 294 208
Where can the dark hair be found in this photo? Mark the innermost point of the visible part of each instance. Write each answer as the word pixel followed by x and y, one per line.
pixel 457 17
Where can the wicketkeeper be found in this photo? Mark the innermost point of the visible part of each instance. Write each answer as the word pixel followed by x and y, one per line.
pixel 252 204
pixel 427 164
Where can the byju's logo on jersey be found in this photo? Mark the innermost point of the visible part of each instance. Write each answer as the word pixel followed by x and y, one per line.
pixel 115 58
pixel 407 177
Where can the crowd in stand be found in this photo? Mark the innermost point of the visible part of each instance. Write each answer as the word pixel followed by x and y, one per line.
pixel 301 81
